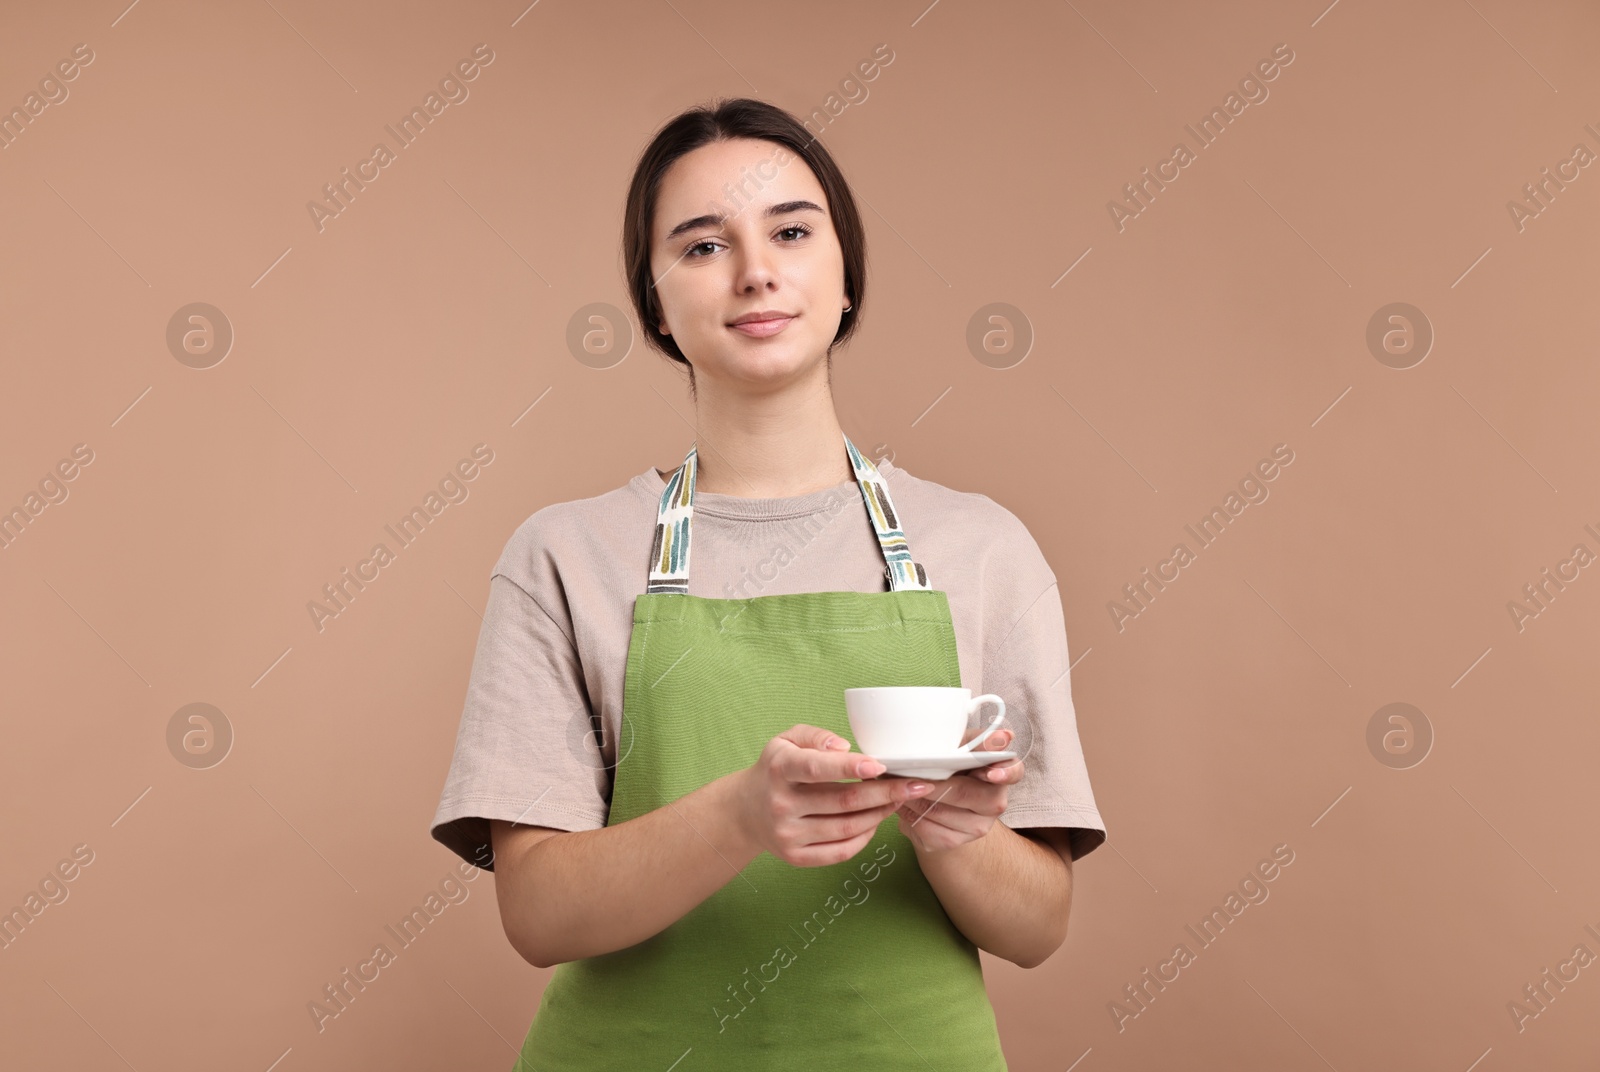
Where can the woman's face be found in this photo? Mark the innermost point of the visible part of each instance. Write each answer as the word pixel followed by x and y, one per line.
pixel 736 232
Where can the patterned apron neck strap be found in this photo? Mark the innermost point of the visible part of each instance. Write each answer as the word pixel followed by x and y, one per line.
pixel 899 567
pixel 669 551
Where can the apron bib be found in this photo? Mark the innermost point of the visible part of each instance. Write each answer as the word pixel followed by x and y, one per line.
pixel 846 967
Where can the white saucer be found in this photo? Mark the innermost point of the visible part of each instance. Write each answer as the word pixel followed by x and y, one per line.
pixel 938 768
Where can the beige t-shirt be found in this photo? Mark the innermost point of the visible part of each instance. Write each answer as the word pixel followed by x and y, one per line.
pixel 538 734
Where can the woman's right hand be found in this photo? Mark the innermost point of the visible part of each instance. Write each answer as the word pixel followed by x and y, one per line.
pixel 793 804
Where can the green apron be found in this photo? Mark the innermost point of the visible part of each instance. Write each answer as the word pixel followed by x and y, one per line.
pixel 850 966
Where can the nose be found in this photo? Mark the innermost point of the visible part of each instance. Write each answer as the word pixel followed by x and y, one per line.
pixel 755 270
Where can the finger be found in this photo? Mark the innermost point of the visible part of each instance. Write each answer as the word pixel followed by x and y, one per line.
pixel 802 757
pixel 904 826
pixel 953 792
pixel 808 736
pixel 995 742
pixel 836 797
pixel 933 824
pixel 842 826
pixel 1008 772
pixel 962 792
pixel 984 773
pixel 827 853
pixel 925 816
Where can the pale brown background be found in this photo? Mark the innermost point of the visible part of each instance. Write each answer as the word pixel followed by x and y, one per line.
pixel 369 358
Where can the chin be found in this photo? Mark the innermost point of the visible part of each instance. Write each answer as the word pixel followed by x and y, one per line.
pixel 772 364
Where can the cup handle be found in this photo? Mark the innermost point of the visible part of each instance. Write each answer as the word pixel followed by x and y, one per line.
pixel 977 702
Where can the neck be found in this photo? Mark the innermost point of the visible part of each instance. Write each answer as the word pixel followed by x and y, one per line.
pixel 769 446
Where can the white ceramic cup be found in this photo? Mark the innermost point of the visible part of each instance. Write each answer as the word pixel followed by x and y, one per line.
pixel 916 720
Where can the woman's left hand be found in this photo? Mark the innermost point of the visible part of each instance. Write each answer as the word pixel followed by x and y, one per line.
pixel 963 807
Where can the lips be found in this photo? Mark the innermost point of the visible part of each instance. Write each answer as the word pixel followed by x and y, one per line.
pixel 760 315
pixel 761 325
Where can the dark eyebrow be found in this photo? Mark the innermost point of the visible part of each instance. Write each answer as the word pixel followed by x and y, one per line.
pixel 714 219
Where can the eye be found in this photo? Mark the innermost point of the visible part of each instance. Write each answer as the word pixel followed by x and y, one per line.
pixel 690 252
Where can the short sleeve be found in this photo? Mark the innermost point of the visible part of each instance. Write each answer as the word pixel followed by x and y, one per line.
pixel 519 750
pixel 1029 670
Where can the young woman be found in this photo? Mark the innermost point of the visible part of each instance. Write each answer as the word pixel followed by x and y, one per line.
pixel 727 883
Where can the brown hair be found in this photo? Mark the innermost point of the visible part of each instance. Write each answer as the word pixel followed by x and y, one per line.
pixel 722 120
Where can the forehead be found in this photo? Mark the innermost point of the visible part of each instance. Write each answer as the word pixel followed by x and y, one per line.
pixel 726 177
